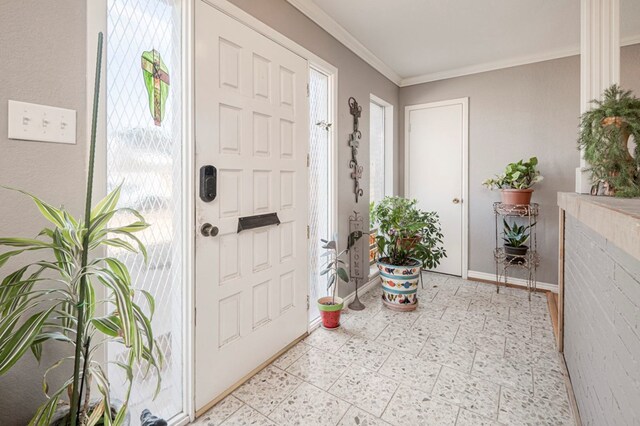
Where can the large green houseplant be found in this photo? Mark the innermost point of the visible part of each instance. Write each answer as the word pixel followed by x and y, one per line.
pixel 516 182
pixel 76 296
pixel 408 240
pixel 604 136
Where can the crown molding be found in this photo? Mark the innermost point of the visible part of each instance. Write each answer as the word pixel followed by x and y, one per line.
pixel 326 22
pixel 498 65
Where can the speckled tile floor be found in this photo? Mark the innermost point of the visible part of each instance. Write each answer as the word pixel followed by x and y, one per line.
pixel 466 356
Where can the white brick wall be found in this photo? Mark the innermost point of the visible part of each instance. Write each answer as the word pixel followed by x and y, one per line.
pixel 602 327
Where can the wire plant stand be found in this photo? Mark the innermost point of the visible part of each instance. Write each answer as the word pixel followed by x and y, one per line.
pixel 528 262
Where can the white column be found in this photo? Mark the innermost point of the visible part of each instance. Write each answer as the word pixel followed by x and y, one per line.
pixel 599 62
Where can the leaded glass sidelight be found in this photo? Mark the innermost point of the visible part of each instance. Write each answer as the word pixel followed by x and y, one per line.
pixel 144 153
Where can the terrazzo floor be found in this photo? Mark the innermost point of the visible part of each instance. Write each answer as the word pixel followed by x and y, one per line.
pixel 466 356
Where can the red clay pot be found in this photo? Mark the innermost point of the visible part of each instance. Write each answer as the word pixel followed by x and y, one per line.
pixel 516 196
pixel 330 314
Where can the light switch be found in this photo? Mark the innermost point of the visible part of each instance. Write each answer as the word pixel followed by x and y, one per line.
pixel 42 123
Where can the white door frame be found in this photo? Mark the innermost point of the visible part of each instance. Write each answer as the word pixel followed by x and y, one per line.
pixel 465 166
pixel 388 143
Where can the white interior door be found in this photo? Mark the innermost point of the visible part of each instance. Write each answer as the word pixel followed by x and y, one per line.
pixel 436 172
pixel 251 113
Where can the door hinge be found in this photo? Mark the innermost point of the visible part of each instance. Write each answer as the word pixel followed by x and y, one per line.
pixel 308 303
pixel 308 160
pixel 308 232
pixel 308 90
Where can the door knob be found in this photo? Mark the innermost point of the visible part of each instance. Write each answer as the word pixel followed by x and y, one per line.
pixel 208 230
pixel 456 201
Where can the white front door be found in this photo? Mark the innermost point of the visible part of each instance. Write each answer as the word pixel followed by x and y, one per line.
pixel 436 171
pixel 251 124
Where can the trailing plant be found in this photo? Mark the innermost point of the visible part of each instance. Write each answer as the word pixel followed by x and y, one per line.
pixel 406 233
pixel 604 136
pixel 336 268
pixel 56 299
pixel 519 175
pixel 516 235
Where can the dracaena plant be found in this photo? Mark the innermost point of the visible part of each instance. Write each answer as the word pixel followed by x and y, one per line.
pixel 74 295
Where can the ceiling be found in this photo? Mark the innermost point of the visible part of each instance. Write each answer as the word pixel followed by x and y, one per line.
pixel 414 41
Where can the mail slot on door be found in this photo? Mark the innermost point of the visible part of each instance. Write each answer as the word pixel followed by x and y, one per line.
pixel 258 221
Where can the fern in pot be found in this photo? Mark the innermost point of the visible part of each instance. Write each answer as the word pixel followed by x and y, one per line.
pixel 408 240
pixel 516 182
pixel 605 135
pixel 336 270
pixel 76 296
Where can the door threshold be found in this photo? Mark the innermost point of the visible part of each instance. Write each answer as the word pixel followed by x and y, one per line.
pixel 252 373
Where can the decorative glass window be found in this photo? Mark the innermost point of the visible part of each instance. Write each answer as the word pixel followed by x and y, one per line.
pixel 144 154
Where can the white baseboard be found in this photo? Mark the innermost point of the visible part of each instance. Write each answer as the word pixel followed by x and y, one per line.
pixel 514 281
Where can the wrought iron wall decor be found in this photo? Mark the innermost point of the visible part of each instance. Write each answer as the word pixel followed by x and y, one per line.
pixel 354 143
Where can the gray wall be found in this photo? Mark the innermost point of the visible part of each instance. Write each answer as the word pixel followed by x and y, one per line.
pixel 514 113
pixel 356 78
pixel 601 327
pixel 42 60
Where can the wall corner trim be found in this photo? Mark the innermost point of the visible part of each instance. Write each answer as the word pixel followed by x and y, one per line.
pixel 326 22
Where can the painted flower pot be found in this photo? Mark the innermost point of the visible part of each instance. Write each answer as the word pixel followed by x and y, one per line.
pixel 516 196
pixel 399 285
pixel 330 313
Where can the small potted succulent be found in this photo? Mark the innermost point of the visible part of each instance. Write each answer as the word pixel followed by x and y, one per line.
pixel 517 181
pixel 515 238
pixel 336 269
pixel 605 133
pixel 409 239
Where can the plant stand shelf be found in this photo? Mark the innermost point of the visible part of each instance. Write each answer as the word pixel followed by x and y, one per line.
pixel 528 262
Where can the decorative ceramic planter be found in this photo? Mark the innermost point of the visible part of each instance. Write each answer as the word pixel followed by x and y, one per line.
pixel 399 285
pixel 330 314
pixel 515 254
pixel 516 196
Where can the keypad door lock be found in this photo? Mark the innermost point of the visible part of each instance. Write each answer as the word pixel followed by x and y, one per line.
pixel 208 183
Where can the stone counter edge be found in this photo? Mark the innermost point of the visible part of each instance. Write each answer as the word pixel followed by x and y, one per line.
pixel 617 220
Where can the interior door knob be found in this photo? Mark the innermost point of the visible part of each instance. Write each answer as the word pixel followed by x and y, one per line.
pixel 208 230
pixel 456 201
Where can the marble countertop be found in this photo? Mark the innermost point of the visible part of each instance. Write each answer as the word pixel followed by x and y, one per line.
pixel 617 219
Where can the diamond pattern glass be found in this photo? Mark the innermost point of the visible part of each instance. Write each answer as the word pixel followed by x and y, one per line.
pixel 147 160
pixel 318 185
pixel 376 153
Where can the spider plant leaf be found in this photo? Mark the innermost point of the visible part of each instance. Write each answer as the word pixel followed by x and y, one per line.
pixel 24 242
pixel 150 301
pixel 109 325
pixel 96 415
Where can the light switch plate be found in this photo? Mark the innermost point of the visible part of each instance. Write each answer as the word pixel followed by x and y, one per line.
pixel 42 123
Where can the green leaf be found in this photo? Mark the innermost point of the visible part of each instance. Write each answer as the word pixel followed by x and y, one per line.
pixel 49 212
pixel 342 273
pixel 109 325
pixel 21 340
pixel 107 204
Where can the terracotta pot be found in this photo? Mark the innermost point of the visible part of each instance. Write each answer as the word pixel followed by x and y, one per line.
pixel 399 285
pixel 330 313
pixel 516 196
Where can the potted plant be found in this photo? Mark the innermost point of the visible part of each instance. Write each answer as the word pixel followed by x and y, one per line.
pixel 515 236
pixel 76 296
pixel 516 182
pixel 604 136
pixel 409 239
pixel 336 269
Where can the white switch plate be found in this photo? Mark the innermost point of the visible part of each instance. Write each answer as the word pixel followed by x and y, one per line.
pixel 42 123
